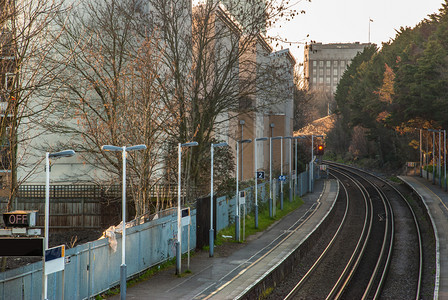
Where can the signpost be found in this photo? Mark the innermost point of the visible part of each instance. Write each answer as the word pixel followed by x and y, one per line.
pixel 54 259
pixel 282 178
pixel 260 174
pixel 243 202
pixel 20 218
pixel 185 213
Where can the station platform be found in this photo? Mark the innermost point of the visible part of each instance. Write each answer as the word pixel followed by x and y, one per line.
pixel 436 201
pixel 229 276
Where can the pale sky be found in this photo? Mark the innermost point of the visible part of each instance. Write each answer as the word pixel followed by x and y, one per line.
pixel 347 21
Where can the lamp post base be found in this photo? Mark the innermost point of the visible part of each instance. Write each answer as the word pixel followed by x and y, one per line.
pixel 178 258
pixel 212 241
pixel 256 216
pixel 123 282
pixel 237 228
pixel 281 200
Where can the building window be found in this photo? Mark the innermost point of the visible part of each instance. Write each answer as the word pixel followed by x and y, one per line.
pixel 321 80
pixel 328 71
pixel 328 80
pixel 335 71
pixel 314 71
pixel 328 63
pixel 314 63
pixel 321 72
pixel 9 81
pixel 321 63
pixel 335 63
pixel 342 64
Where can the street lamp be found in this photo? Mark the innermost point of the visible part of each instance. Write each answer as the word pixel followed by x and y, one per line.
pixel 444 160
pixel 271 202
pixel 179 225
pixel 124 150
pixel 212 234
pixel 281 173
pixel 237 214
pixel 256 179
pixel 48 155
pixel 296 161
pixel 242 122
pixel 434 154
pixel 420 154
pixel 311 164
pixel 290 167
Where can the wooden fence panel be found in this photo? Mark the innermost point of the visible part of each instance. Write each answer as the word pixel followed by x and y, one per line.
pixel 72 206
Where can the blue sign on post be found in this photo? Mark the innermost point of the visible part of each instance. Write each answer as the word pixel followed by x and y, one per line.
pixel 54 259
pixel 282 177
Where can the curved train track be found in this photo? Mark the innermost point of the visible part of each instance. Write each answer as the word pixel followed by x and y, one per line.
pixel 376 251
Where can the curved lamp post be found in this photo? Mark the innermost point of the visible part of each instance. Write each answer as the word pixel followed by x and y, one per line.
pixel 212 233
pixel 123 149
pixel 179 225
pixel 237 200
pixel 256 179
pixel 48 155
pixel 290 167
pixel 312 162
pixel 296 161
pixel 271 202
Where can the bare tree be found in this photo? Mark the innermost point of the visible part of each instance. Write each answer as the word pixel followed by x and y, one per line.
pixel 212 68
pixel 23 47
pixel 106 82
pixel 158 73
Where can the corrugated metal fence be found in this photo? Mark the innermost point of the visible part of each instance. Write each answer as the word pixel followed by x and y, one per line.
pixel 225 207
pixel 94 267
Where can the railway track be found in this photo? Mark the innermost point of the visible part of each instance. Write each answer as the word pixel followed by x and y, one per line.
pixel 376 251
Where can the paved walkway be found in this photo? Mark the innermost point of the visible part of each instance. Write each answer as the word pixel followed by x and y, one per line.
pixel 436 201
pixel 230 276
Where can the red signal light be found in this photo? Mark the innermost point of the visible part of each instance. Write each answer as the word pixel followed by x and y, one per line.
pixel 320 150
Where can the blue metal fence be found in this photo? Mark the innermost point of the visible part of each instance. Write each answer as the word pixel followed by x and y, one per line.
pixel 94 267
pixel 225 208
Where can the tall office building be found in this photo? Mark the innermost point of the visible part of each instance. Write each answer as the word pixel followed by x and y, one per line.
pixel 324 64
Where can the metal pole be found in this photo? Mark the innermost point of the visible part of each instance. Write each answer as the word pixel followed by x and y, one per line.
pixel 237 202
pixel 421 158
pixel 256 183
pixel 270 177
pixel 369 29
pixel 47 222
pixel 297 171
pixel 188 246
pixel 242 148
pixel 123 242
pixel 290 170
pixel 444 159
pixel 281 172
pixel 311 164
pixel 433 158
pixel 212 236
pixel 179 227
pixel 427 151
pixel 439 162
